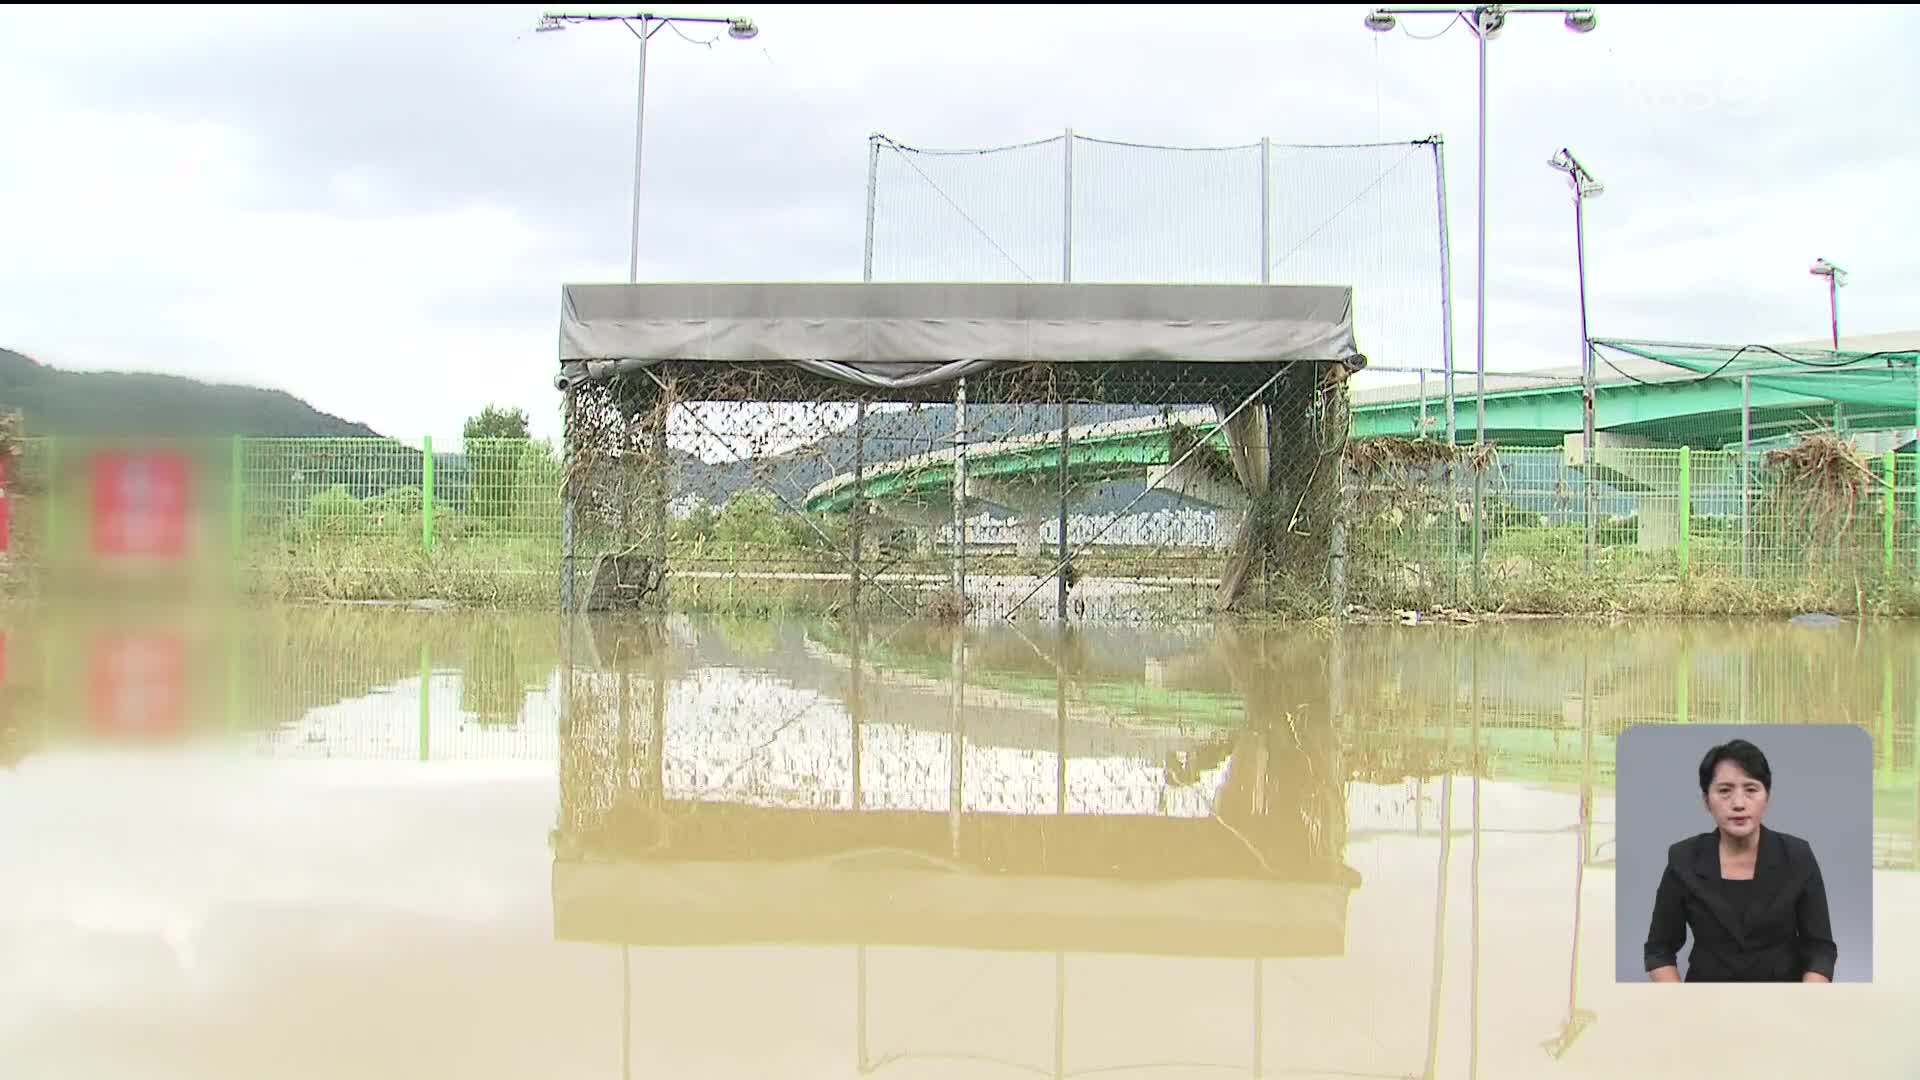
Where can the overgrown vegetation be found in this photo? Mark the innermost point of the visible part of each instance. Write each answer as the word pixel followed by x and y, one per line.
pixel 347 520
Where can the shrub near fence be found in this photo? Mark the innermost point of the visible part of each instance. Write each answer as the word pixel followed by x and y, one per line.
pixel 366 519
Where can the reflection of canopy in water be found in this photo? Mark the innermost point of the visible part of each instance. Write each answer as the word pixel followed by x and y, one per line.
pixel 1072 883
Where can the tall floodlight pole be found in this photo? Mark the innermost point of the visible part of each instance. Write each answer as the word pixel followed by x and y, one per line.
pixel 1485 22
pixel 1584 187
pixel 643 25
pixel 1836 278
pixel 649 24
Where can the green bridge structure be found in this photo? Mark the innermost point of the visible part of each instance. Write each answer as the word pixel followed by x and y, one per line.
pixel 1648 396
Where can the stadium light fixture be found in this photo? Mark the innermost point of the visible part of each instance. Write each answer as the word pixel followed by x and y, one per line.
pixel 1485 22
pixel 643 26
pixel 1836 280
pixel 1584 187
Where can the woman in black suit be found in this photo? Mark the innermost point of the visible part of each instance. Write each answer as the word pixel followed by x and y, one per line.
pixel 1752 897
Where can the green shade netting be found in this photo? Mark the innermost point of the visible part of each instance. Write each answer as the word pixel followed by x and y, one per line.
pixel 1877 380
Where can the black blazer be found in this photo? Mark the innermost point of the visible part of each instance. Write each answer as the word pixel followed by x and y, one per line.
pixel 1784 933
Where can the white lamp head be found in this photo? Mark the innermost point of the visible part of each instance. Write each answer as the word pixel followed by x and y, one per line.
pixel 1380 22
pixel 1582 21
pixel 1584 185
pixel 742 29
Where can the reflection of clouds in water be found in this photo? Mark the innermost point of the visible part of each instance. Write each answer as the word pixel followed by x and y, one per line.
pixel 129 858
pixel 385 724
pixel 752 739
pixel 1412 806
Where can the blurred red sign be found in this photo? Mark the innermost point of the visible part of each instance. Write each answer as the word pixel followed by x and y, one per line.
pixel 138 684
pixel 140 503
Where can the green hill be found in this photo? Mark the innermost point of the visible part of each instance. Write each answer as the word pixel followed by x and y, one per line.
pixel 140 405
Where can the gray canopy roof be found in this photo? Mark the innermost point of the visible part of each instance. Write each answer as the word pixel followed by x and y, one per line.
pixel 893 336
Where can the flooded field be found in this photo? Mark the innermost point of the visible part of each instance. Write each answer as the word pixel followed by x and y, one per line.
pixel 329 842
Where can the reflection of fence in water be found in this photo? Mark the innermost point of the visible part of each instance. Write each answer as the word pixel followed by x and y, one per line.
pixel 405 721
pixel 1538 685
pixel 756 740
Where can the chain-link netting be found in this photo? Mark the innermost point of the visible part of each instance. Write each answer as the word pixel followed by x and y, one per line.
pixel 1181 488
pixel 1078 209
pixel 1074 208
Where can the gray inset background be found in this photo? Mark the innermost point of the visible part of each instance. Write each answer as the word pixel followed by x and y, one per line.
pixel 1822 792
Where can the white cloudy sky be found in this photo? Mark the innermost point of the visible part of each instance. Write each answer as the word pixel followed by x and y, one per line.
pixel 375 208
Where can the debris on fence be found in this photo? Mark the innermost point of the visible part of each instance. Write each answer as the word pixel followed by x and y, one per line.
pixel 947 606
pixel 1394 457
pixel 1189 443
pixel 1820 480
pixel 622 581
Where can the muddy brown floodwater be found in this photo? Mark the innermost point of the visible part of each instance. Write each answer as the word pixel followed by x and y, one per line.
pixel 332 842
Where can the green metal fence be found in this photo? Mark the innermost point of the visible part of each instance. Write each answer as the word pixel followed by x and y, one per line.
pixel 1675 530
pixel 348 518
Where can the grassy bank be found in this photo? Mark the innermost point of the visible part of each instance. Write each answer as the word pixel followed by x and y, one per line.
pixel 1541 572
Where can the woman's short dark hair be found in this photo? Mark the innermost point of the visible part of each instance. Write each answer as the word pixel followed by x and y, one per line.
pixel 1741 753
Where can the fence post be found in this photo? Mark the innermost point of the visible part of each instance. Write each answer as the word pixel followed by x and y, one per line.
pixel 568 399
pixel 233 681
pixel 1066 228
pixel 426 709
pixel 1888 514
pixel 55 497
pixel 237 497
pixel 1883 739
pixel 426 493
pixel 1446 355
pixel 1266 221
pixel 1682 681
pixel 1066 275
pixel 1746 476
pixel 1337 545
pixel 856 526
pixel 1060 542
pixel 1686 510
pixel 959 572
pixel 662 494
pixel 873 187
pixel 1422 429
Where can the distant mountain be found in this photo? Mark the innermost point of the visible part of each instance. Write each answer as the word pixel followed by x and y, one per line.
pixel 141 405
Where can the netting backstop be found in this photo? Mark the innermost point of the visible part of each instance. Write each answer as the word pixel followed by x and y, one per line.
pixel 1122 490
pixel 1119 489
